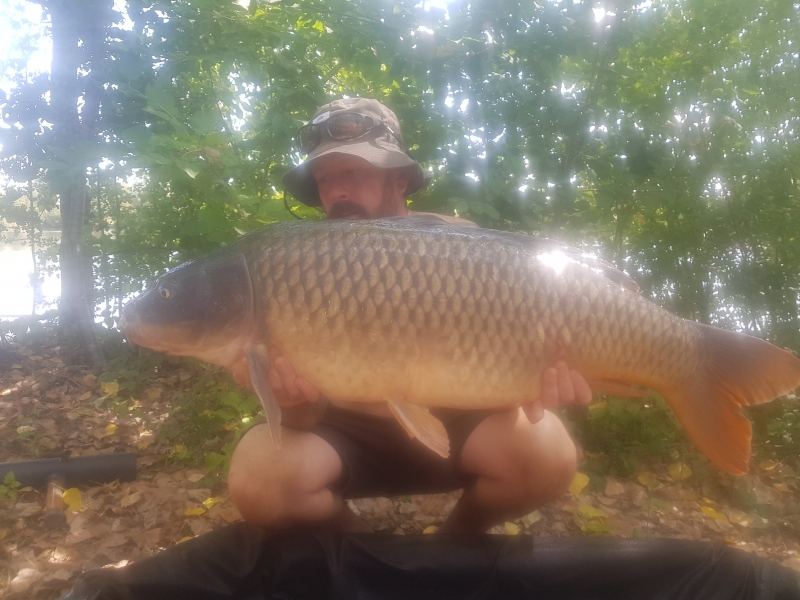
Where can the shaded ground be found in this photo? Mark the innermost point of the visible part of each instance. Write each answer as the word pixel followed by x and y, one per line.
pixel 47 407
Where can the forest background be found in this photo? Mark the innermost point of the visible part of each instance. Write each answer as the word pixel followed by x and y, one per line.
pixel 661 135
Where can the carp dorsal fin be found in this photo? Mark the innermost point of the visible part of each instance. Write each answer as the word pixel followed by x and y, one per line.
pixel 272 410
pixel 421 424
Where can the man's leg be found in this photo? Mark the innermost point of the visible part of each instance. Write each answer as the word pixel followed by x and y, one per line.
pixel 291 486
pixel 519 466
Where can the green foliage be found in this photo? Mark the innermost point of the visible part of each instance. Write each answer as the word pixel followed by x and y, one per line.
pixel 776 430
pixel 210 417
pixel 9 487
pixel 626 433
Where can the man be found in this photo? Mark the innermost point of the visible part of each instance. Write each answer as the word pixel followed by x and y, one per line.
pixel 508 462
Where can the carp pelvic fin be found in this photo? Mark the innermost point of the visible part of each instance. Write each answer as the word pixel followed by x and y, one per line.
pixel 272 410
pixel 421 424
pixel 738 370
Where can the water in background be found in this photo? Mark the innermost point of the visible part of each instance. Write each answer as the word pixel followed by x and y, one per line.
pixel 16 291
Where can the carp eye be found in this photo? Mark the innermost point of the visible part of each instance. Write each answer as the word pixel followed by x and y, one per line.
pixel 165 293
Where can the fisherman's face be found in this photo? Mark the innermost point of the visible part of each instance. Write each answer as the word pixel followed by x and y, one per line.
pixel 352 188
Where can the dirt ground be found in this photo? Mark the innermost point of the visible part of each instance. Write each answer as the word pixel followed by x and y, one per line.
pixel 48 407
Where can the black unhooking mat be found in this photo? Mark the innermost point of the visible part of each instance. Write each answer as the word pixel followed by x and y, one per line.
pixel 244 563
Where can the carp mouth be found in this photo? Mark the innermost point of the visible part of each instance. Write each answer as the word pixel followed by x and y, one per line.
pixel 136 333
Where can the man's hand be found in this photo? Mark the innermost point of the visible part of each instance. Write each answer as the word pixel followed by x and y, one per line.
pixel 560 386
pixel 290 389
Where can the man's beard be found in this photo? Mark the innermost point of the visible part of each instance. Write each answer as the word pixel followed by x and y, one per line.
pixel 346 209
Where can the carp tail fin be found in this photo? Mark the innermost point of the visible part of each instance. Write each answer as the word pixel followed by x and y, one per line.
pixel 738 370
pixel 272 410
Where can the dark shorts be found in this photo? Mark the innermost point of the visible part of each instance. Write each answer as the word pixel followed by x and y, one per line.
pixel 380 459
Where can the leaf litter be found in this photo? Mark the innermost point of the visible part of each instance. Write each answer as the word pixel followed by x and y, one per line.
pixel 47 407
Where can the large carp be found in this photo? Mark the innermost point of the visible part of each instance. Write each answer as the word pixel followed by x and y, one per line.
pixel 417 313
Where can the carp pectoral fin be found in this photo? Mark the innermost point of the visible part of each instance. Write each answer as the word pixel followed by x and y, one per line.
pixel 616 388
pixel 421 424
pixel 272 410
pixel 737 370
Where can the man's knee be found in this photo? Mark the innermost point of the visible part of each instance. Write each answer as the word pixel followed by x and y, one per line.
pixel 254 477
pixel 532 463
pixel 552 467
pixel 276 487
pixel 548 463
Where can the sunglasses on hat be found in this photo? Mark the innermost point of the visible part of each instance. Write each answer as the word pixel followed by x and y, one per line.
pixel 339 127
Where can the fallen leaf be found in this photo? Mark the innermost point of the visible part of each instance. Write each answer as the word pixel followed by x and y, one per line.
pixel 658 503
pixel 614 487
pixel 714 514
pixel 532 518
pixel 130 499
pixel 149 539
pixel 195 477
pixel 25 428
pixel 23 580
pixel 72 498
pixel 596 526
pixel 60 575
pixel 579 483
pixel 109 388
pixel 200 526
pixel 511 528
pixel 430 529
pixel 114 540
pixel 590 512
pixel 185 539
pixel 212 501
pixel 153 392
pixel 679 471
pixel 647 479
pixel 792 563
pixel 194 512
pixel 737 517
pixel 110 429
pixel 84 396
pixel 229 514
pixel 596 405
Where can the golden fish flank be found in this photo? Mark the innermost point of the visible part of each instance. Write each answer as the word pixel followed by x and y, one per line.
pixel 417 313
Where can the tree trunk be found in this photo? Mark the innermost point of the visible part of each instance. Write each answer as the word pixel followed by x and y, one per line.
pixel 74 49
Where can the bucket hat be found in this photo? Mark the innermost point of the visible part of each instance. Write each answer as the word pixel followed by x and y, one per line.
pixel 382 146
